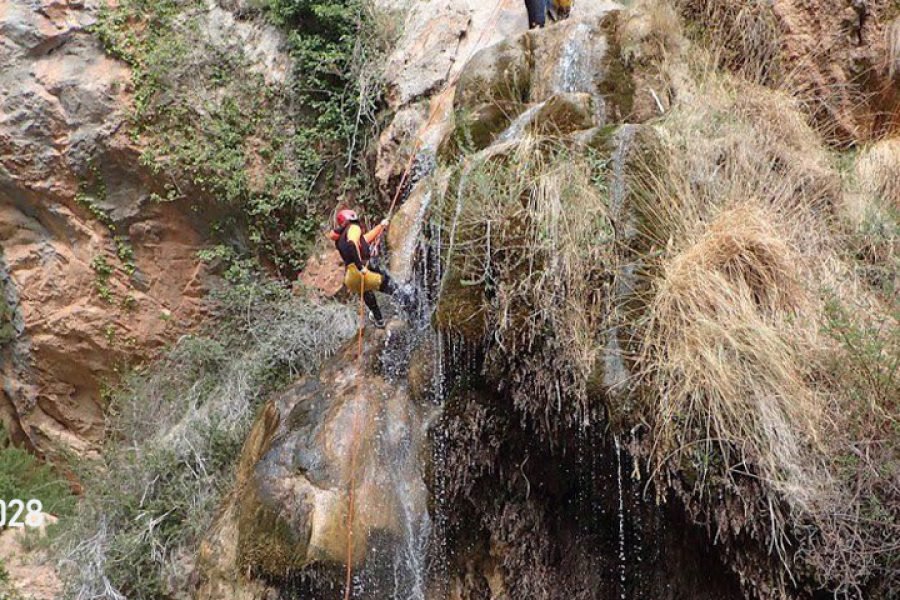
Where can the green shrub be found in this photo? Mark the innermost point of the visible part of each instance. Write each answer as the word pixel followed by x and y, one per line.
pixel 23 476
pixel 175 431
pixel 269 158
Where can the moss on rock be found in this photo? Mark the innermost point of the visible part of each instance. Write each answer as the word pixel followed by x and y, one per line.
pixel 497 74
pixel 475 129
pixel 462 308
pixel 617 84
pixel 266 544
pixel 7 312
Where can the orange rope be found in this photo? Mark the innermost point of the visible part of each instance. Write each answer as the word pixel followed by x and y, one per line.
pixel 403 179
pixel 356 438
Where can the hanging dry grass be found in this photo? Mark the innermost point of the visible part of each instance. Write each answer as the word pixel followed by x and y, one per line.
pixel 530 238
pixel 724 353
pixel 762 356
pixel 870 215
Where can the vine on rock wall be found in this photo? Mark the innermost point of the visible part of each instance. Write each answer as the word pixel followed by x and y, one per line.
pixel 224 134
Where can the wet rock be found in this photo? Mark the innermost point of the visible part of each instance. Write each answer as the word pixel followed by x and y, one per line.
pixel 558 116
pixel 499 74
pixel 893 48
pixel 462 308
pixel 405 232
pixel 438 40
pixel 553 81
pixel 475 129
pixel 347 429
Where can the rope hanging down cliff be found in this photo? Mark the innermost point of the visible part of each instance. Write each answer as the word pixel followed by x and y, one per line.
pixel 356 440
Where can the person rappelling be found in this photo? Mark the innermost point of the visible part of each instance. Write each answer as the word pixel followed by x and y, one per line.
pixel 355 246
pixel 537 11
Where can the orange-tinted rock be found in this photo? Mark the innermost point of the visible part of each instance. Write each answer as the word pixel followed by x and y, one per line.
pixel 324 272
pixel 81 315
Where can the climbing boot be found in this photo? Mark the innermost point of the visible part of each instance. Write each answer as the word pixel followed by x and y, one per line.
pixel 377 320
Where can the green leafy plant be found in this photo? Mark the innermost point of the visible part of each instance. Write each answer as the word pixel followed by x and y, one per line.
pixel 268 158
pixel 176 429
pixel 24 476
pixel 103 271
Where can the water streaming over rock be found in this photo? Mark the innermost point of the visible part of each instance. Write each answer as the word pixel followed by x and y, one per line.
pixel 421 559
pixel 515 129
pixel 412 344
pixel 621 521
pixel 607 507
pixel 615 372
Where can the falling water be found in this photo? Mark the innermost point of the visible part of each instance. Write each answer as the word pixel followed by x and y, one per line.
pixel 515 129
pixel 622 556
pixel 399 567
pixel 409 563
pixel 615 372
pixel 574 69
pixel 618 187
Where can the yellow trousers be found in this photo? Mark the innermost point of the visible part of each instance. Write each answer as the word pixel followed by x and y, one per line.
pixel 370 281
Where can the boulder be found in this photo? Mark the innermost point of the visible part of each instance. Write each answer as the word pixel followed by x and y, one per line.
pixel 30 574
pixel 350 430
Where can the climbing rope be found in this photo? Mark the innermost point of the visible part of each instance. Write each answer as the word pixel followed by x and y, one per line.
pixel 354 451
pixel 348 585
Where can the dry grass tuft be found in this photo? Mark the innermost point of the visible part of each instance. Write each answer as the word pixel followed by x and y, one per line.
pixel 723 350
pixel 176 431
pixel 870 213
pixel 651 32
pixel 530 237
pixel 746 36
pixel 878 173
pixel 762 355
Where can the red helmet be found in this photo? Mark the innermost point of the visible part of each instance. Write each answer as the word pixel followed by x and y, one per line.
pixel 346 216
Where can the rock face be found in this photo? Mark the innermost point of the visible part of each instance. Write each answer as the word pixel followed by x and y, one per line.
pixel 438 41
pixel 348 431
pixel 97 274
pixel 29 577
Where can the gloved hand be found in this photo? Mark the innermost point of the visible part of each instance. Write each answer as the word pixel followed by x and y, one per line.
pixel 385 222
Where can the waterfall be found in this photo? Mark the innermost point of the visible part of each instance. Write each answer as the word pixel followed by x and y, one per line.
pixel 417 258
pixel 615 372
pixel 621 520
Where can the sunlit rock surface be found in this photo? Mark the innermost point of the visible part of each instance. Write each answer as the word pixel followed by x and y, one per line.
pixel 353 429
pixel 64 106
